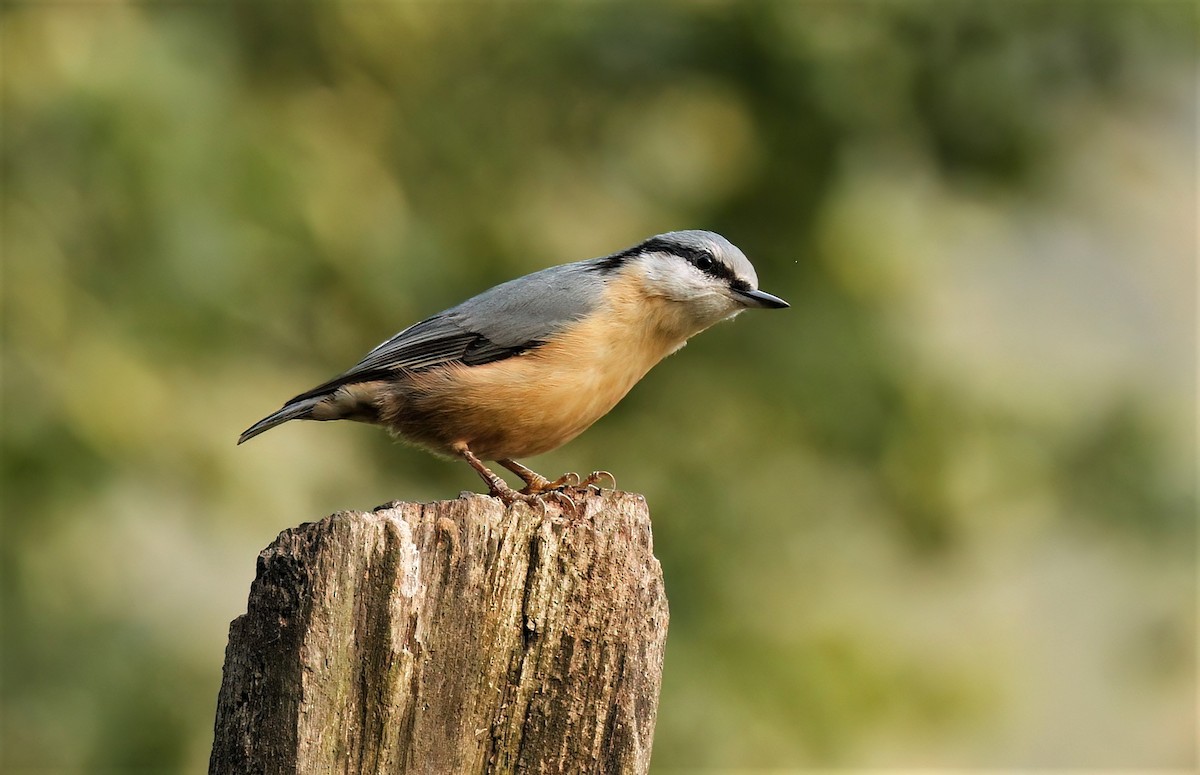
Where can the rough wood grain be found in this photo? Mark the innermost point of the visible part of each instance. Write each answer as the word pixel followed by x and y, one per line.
pixel 450 637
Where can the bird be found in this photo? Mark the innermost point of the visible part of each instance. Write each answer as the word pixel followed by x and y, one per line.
pixel 526 366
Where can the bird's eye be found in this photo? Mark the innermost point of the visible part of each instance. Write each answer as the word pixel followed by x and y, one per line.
pixel 703 263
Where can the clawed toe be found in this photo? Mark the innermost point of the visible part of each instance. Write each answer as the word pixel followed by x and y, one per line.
pixel 593 479
pixel 540 486
pixel 510 496
pixel 565 502
pixel 568 480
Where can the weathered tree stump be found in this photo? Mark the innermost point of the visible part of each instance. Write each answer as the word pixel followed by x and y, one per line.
pixel 449 637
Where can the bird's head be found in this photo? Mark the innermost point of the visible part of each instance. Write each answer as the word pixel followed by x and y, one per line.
pixel 705 277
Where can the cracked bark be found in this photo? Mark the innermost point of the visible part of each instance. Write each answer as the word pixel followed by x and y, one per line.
pixel 450 637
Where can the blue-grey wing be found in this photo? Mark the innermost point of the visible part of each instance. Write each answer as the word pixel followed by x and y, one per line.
pixel 499 323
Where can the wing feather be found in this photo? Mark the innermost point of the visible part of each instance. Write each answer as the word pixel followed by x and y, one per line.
pixel 499 323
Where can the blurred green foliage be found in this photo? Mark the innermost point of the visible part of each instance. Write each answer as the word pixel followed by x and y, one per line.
pixel 939 513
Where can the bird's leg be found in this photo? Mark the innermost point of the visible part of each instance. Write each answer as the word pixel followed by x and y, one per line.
pixel 536 483
pixel 496 486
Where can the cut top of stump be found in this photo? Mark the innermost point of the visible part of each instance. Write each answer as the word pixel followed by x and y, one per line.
pixel 455 636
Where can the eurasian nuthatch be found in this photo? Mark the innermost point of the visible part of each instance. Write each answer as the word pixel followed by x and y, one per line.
pixel 528 365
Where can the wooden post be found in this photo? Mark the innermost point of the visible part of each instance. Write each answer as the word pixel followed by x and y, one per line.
pixel 449 637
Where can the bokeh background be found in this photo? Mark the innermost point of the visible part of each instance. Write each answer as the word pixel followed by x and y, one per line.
pixel 940 513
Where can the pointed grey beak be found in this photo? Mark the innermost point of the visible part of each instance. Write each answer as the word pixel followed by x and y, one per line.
pixel 761 299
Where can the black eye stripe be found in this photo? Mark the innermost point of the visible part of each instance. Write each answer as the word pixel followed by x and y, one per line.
pixel 692 255
pixel 697 257
pixel 704 261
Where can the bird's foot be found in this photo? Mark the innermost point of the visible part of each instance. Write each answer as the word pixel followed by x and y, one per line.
pixel 569 490
pixel 509 496
pixel 568 481
pixel 565 489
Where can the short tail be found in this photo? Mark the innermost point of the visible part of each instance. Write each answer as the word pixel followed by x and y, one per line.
pixel 297 410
